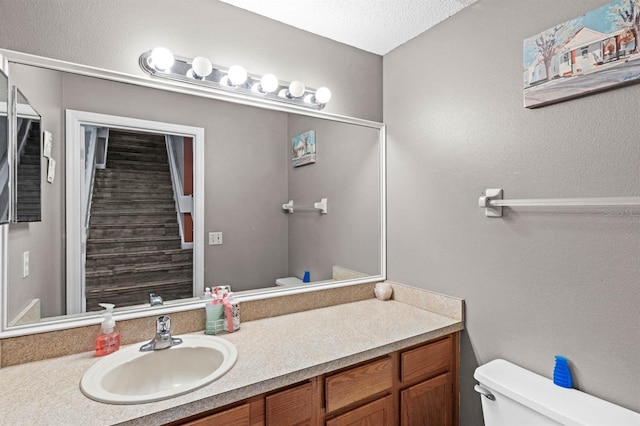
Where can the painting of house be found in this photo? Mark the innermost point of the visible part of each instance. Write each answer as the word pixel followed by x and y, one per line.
pixel 303 148
pixel 587 54
pixel 582 53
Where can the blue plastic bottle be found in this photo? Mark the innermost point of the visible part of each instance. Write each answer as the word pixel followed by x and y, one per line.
pixel 562 373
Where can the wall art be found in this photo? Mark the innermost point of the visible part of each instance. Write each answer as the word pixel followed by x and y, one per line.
pixel 591 53
pixel 303 148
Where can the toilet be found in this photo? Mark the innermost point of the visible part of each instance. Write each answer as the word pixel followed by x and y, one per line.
pixel 288 281
pixel 512 395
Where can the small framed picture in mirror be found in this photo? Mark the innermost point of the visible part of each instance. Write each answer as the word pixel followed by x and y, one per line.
pixel 303 148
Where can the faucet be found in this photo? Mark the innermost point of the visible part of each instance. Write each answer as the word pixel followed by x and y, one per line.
pixel 162 339
pixel 155 300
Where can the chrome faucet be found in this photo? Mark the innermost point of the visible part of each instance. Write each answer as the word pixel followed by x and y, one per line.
pixel 162 339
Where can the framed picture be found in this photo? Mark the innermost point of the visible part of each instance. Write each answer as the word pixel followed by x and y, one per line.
pixel 591 53
pixel 303 148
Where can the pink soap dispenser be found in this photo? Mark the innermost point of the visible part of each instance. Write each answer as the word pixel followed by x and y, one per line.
pixel 109 341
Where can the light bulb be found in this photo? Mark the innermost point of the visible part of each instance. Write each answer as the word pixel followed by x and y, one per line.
pixel 323 95
pixel 201 66
pixel 283 93
pixel 161 58
pixel 296 89
pixel 237 75
pixel 269 83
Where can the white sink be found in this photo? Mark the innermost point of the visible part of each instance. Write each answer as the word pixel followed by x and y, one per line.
pixel 132 377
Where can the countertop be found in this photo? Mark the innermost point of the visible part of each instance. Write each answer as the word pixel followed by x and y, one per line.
pixel 272 353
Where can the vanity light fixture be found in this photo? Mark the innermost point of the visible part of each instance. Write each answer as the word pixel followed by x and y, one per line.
pixel 322 95
pixel 296 89
pixel 268 84
pixel 201 67
pixel 237 75
pixel 161 63
pixel 161 58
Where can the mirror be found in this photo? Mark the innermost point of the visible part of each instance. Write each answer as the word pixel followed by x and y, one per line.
pixel 27 175
pixel 4 148
pixel 247 173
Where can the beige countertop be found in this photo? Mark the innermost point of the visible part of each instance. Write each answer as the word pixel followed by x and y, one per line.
pixel 272 353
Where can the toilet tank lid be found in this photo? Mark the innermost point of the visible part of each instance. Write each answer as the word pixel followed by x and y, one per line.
pixel 288 281
pixel 566 406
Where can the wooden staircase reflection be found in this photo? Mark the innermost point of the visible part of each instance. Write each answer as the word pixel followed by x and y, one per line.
pixel 133 246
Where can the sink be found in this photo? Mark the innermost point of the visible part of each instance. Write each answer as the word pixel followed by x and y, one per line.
pixel 132 377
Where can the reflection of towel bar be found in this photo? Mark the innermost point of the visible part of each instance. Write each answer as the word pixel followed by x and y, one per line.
pixel 319 206
pixel 493 203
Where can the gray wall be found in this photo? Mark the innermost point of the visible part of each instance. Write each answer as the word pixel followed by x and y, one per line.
pixel 536 282
pixel 44 240
pixel 244 171
pixel 346 172
pixel 113 34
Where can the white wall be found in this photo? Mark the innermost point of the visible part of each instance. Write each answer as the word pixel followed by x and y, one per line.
pixel 536 282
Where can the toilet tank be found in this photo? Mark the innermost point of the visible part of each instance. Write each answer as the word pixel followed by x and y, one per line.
pixel 288 281
pixel 524 398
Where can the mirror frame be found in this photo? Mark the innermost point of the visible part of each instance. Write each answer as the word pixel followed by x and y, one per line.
pixel 81 320
pixel 7 106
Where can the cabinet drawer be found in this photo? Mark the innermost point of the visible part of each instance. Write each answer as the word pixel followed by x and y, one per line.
pixel 378 412
pixel 358 383
pixel 426 361
pixel 238 416
pixel 291 407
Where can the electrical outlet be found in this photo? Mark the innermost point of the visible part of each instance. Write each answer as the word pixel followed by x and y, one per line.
pixel 215 238
pixel 25 264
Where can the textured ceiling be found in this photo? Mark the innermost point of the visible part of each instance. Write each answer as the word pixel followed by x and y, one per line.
pixel 377 26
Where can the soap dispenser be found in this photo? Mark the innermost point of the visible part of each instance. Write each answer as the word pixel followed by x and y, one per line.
pixel 109 340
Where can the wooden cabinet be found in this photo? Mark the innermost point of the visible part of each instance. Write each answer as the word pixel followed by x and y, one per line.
pixel 428 403
pixel 412 387
pixel 417 386
pixel 378 412
pixel 238 416
pixel 429 383
pixel 291 407
pixel 426 361
pixel 358 383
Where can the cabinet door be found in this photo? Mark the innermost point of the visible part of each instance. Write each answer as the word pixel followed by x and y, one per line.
pixel 291 407
pixel 428 403
pixel 376 413
pixel 238 416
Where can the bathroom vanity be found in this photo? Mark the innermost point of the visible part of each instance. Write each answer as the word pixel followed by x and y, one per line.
pixel 329 365
pixel 415 386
